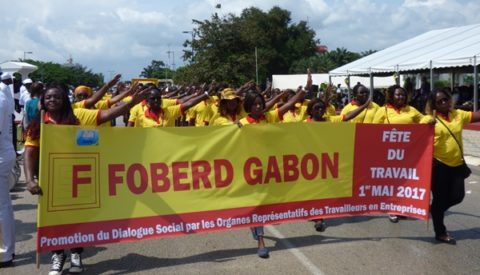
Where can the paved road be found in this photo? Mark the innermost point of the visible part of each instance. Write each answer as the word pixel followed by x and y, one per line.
pixel 354 245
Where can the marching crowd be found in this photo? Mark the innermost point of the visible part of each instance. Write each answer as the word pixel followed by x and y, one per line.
pixel 218 104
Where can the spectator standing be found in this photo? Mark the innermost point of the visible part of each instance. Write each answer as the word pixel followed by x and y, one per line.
pixel 7 160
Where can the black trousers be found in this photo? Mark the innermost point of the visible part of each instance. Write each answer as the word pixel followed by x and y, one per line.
pixel 448 189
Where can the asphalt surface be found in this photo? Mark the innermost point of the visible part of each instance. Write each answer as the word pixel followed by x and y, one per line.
pixel 353 245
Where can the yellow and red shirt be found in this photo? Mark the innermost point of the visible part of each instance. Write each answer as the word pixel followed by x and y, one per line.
pixel 85 117
pixel 390 115
pixel 165 118
pixel 268 117
pixel 138 110
pixel 366 116
pixel 445 148
pixel 201 113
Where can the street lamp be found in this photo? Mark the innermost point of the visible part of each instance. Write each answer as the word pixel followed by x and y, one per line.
pixel 191 44
pixel 25 54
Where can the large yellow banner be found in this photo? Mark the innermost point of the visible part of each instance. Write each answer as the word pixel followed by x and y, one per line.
pixel 102 184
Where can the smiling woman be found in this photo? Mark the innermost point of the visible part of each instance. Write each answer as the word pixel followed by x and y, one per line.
pixel 448 170
pixel 58 110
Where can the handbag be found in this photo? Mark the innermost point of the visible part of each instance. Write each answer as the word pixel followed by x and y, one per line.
pixel 463 169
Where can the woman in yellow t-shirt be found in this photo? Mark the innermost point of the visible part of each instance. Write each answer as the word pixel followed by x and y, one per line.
pixel 58 110
pixel 448 184
pixel 316 111
pixel 255 105
pixel 230 109
pixel 156 115
pixel 397 111
pixel 360 96
pixel 85 98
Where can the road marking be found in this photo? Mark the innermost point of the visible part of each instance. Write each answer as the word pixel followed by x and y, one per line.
pixel 299 255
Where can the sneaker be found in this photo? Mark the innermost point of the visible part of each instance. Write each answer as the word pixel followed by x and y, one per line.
pixel 76 265
pixel 320 225
pixel 263 253
pixel 393 218
pixel 58 260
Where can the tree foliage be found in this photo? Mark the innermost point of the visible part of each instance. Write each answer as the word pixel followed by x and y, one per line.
pixel 323 63
pixel 224 48
pixel 156 69
pixel 75 74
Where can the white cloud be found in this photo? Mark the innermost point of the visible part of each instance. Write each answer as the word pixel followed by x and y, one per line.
pixel 424 3
pixel 130 16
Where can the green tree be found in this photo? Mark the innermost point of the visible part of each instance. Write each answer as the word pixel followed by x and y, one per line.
pixel 323 63
pixel 185 75
pixel 342 56
pixel 369 52
pixel 224 48
pixel 74 75
pixel 156 69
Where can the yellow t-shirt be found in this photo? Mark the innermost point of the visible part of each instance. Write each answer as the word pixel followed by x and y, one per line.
pixel 127 99
pixel 226 120
pixel 102 104
pixel 135 112
pixel 214 105
pixel 167 102
pixel 268 117
pixel 201 113
pixel 330 111
pixel 366 116
pixel 138 110
pixel 78 104
pixel 299 114
pixel 166 117
pixel 389 115
pixel 445 148
pixel 334 119
pixel 85 117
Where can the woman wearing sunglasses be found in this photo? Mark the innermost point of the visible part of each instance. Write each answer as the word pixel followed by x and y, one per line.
pixel 448 174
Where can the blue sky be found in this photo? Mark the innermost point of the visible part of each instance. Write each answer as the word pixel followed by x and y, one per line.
pixel 120 36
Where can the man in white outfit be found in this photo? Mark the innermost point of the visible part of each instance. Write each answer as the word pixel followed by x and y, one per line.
pixel 24 98
pixel 7 160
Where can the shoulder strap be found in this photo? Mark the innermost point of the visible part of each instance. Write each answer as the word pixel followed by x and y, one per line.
pixel 458 143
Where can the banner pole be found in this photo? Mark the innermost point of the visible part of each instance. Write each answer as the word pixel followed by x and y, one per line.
pixel 37 254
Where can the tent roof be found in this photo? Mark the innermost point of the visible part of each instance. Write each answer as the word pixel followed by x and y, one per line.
pixel 18 67
pixel 292 81
pixel 12 65
pixel 452 47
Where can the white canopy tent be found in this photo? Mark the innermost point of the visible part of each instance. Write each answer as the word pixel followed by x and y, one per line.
pixel 18 67
pixel 292 81
pixel 433 50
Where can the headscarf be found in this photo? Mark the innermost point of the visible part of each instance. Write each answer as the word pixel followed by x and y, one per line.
pixel 83 88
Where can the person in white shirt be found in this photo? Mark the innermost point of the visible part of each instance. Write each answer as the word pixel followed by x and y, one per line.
pixel 25 91
pixel 7 160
